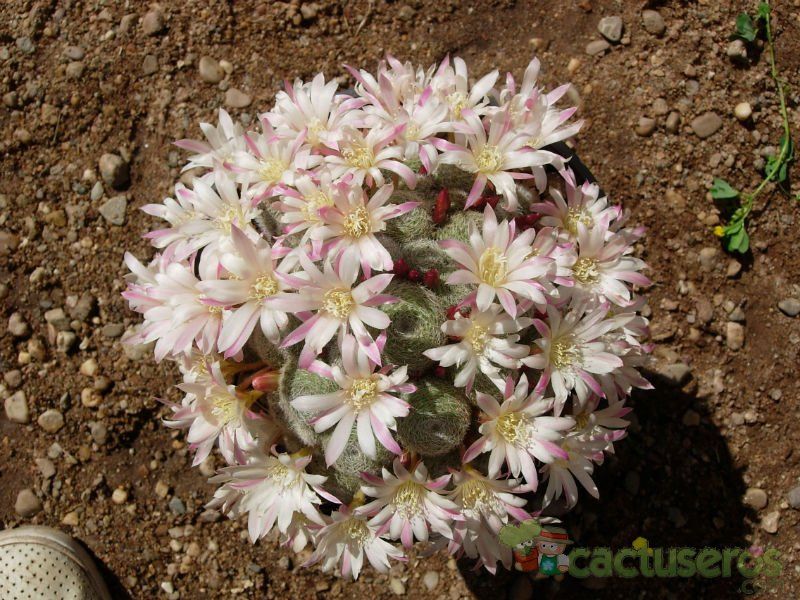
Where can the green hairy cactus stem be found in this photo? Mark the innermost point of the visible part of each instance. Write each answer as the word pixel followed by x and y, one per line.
pixel 438 420
pixel 458 225
pixel 425 254
pixel 415 327
pixel 344 476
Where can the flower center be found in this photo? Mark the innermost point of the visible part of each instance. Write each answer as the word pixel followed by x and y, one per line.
pixel 477 336
pixel 457 102
pixel 412 131
pixel 575 216
pixel 512 426
pixel 488 159
pixel 231 215
pixel 475 495
pixel 564 353
pixel 358 156
pixel 581 421
pixel 363 392
pixel 272 170
pixel 409 499
pixel 214 310
pixel 313 203
pixel 315 128
pixel 338 302
pixel 357 531
pixel 585 271
pixel 492 266
pixel 264 286
pixel 535 142
pixel 357 223
pixel 228 408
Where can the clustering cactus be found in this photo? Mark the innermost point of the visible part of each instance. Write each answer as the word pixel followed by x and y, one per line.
pixel 395 311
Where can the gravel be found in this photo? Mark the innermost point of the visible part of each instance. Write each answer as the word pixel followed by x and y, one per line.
pixel 653 22
pixel 611 28
pixel 17 326
pixel 27 504
pixel 115 171
pixel 756 497
pixel 597 47
pixel 676 374
pixel 237 99
pixel 113 210
pixel 790 307
pixel 708 258
pixel 645 127
pixel 770 522
pixel 706 124
pixel 153 22
pixel 150 64
pixel 742 111
pixel 793 497
pixel 16 407
pixel 734 335
pixel 210 70
pixel 430 580
pixel 51 420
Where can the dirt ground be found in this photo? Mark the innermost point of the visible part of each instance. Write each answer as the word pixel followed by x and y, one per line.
pixel 713 452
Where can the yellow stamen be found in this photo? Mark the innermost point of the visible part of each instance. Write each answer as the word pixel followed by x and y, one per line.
pixel 564 353
pixel 488 160
pixel 511 426
pixel 272 170
pixel 358 156
pixel 338 302
pixel 585 271
pixel 492 266
pixel 263 287
pixel 357 530
pixel 575 216
pixel 357 223
pixel 409 499
pixel 363 392
pixel 477 336
pixel 457 102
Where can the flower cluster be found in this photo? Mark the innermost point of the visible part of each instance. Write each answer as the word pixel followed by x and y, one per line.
pixel 398 315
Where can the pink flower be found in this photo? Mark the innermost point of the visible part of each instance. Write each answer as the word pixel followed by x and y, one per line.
pixel 365 399
pixel 351 223
pixel 339 306
pixel 500 263
pixel 410 503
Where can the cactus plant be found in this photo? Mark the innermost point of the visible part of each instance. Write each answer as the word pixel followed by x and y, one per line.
pixel 390 317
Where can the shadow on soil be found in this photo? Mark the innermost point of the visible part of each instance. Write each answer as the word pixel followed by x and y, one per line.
pixel 685 493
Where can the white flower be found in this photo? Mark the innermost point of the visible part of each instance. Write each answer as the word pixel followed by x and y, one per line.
pixel 493 157
pixel 365 400
pixel 339 306
pixel 583 205
pixel 351 223
pixel 275 488
pixel 349 538
pixel 218 413
pixel 516 432
pixel 562 473
pixel 486 504
pixel 269 162
pixel 223 141
pixel 301 204
pixel 311 108
pixel 409 502
pixel 251 285
pixel 572 350
pixel 603 267
pixel 363 156
pixel 486 342
pixel 452 85
pixel 500 263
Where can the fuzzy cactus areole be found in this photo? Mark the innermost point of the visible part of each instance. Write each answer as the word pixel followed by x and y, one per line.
pixel 400 317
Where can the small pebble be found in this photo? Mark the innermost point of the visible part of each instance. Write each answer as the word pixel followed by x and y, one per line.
pixel 153 22
pixel 794 497
pixel 653 22
pixel 706 124
pixel 790 307
pixel 149 64
pixel 13 378
pixel 611 28
pixel 89 367
pixel 770 521
pixel 65 341
pixel 397 586
pixel 119 496
pixel 162 489
pixel 16 407
pixel 736 50
pixel 597 47
pixel 99 432
pixel 734 268
pixel 645 127
pixel 97 191
pixel 177 506
pixel 673 121
pixel 71 519
pixel 742 111
pixel 430 580
pixel 46 467
pixel 237 99
pixel 114 171
pixel 17 326
pixel 51 420
pixel 210 70
pixel 113 210
pixel 734 335
pixel 708 258
pixel 112 330
pixel 756 497
pixel 27 504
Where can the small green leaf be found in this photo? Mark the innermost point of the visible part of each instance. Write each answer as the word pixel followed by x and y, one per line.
pixel 745 28
pixel 738 241
pixel 763 10
pixel 722 190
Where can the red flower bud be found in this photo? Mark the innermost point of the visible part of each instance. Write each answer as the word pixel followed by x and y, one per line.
pixel 441 207
pixel 440 372
pixel 414 275
pixel 431 278
pixel 400 268
pixel 451 312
